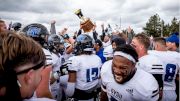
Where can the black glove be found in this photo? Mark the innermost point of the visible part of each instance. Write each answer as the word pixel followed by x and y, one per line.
pixel 64 69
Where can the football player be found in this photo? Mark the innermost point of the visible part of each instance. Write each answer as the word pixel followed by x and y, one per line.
pixel 84 70
pixel 56 47
pixel 148 63
pixel 22 63
pixel 122 81
pixel 171 63
pixel 39 33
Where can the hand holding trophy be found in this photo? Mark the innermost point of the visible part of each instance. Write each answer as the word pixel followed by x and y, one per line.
pixel 85 23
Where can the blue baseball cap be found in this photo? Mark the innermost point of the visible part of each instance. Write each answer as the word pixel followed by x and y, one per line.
pixel 175 33
pixel 173 38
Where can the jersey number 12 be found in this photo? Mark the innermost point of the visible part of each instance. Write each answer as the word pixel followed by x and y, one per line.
pixel 92 74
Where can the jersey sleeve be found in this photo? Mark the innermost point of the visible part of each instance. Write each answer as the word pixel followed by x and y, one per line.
pixel 149 88
pixel 177 59
pixel 151 64
pixel 73 64
pixel 156 66
pixel 48 55
pixel 153 92
pixel 103 81
pixel 106 74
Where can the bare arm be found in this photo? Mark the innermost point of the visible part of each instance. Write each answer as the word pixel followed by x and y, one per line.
pixel 72 76
pixel 103 96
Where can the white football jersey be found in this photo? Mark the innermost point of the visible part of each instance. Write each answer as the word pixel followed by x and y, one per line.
pixel 141 87
pixel 67 56
pixel 106 44
pixel 48 56
pixel 108 51
pixel 55 87
pixel 171 63
pixel 87 69
pixel 56 62
pixel 150 64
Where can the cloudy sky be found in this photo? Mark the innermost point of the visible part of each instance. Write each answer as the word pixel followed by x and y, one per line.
pixel 133 13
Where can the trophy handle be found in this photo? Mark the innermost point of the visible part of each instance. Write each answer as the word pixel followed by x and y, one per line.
pixel 80 15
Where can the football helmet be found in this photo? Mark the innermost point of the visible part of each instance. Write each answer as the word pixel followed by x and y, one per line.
pixel 56 43
pixel 16 26
pixel 38 32
pixel 83 44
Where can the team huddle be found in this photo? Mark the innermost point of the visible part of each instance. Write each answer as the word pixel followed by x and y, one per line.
pixel 38 66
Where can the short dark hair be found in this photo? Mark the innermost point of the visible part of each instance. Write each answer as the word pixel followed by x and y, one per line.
pixel 128 49
pixel 177 45
pixel 99 42
pixel 160 40
pixel 119 41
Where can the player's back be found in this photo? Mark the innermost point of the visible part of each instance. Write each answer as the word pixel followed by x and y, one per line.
pixel 87 68
pixel 171 62
pixel 171 67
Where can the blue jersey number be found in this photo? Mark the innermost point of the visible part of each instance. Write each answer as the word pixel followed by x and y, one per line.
pixel 170 72
pixel 92 74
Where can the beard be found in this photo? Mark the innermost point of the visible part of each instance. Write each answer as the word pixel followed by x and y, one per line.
pixel 124 77
pixel 118 78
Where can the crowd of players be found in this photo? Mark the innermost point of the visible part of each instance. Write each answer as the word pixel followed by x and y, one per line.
pixel 38 65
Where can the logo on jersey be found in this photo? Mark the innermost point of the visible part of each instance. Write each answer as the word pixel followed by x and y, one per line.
pixel 130 91
pixel 116 94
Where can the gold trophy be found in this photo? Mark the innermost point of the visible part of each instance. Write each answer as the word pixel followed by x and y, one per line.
pixel 85 23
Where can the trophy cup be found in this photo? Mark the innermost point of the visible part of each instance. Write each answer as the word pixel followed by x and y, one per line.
pixel 85 23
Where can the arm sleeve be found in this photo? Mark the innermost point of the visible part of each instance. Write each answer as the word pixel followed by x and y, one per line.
pixel 79 32
pixel 95 35
pixel 158 77
pixel 103 34
pixel 53 29
pixel 70 89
